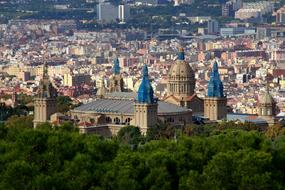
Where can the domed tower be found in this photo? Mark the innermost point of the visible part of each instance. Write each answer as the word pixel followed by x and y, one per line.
pixel 181 78
pixel 266 104
pixel 215 103
pixel 116 81
pixel 45 101
pixel 181 86
pixel 145 105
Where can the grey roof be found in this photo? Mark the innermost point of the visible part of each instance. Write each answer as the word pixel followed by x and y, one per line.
pixel 125 106
pixel 121 95
pixel 245 118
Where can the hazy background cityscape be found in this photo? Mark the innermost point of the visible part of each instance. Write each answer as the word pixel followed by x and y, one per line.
pixel 142 94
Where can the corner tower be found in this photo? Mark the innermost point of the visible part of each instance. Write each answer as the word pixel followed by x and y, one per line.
pixel 45 101
pixel 266 104
pixel 145 105
pixel 116 81
pixel 215 103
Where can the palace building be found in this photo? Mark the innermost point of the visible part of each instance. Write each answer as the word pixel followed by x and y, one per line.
pixel 109 113
pixel 114 107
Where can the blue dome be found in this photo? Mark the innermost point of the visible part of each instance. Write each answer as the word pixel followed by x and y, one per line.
pixel 215 85
pixel 116 67
pixel 145 92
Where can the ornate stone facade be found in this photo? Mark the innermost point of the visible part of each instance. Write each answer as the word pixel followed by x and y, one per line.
pixel 215 103
pixel 45 101
pixel 116 82
pixel 181 78
pixel 181 85
pixel 215 108
pixel 108 115
pixel 145 105
pixel 266 104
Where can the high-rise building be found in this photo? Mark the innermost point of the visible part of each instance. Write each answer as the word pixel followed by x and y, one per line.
pixel 280 16
pixel 215 103
pixel 145 105
pixel 228 9
pixel 237 4
pixel 106 12
pixel 180 2
pixel 213 27
pixel 124 13
pixel 45 101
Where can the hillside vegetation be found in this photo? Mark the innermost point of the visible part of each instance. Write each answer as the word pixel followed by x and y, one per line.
pixel 211 157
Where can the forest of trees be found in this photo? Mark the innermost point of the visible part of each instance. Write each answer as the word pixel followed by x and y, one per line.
pixel 224 156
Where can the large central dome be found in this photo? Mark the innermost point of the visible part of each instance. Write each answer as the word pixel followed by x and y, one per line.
pixel 181 77
pixel 182 70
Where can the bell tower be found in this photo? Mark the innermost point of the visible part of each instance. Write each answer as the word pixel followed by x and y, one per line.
pixel 116 80
pixel 145 105
pixel 45 100
pixel 215 103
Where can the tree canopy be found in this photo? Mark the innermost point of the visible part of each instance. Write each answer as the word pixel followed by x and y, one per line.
pixel 216 157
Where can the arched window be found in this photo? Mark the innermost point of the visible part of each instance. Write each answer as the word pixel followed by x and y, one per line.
pixel 108 120
pixel 117 120
pixel 127 121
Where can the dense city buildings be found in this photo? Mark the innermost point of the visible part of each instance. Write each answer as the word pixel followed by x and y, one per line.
pixel 96 61
pixel 142 94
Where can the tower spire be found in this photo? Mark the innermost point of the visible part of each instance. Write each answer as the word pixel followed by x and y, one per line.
pixel 181 54
pixel 145 92
pixel 215 86
pixel 215 104
pixel 45 101
pixel 145 111
pixel 46 89
pixel 116 66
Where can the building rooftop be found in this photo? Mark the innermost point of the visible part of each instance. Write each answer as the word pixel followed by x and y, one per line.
pixel 121 95
pixel 125 106
pixel 253 118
